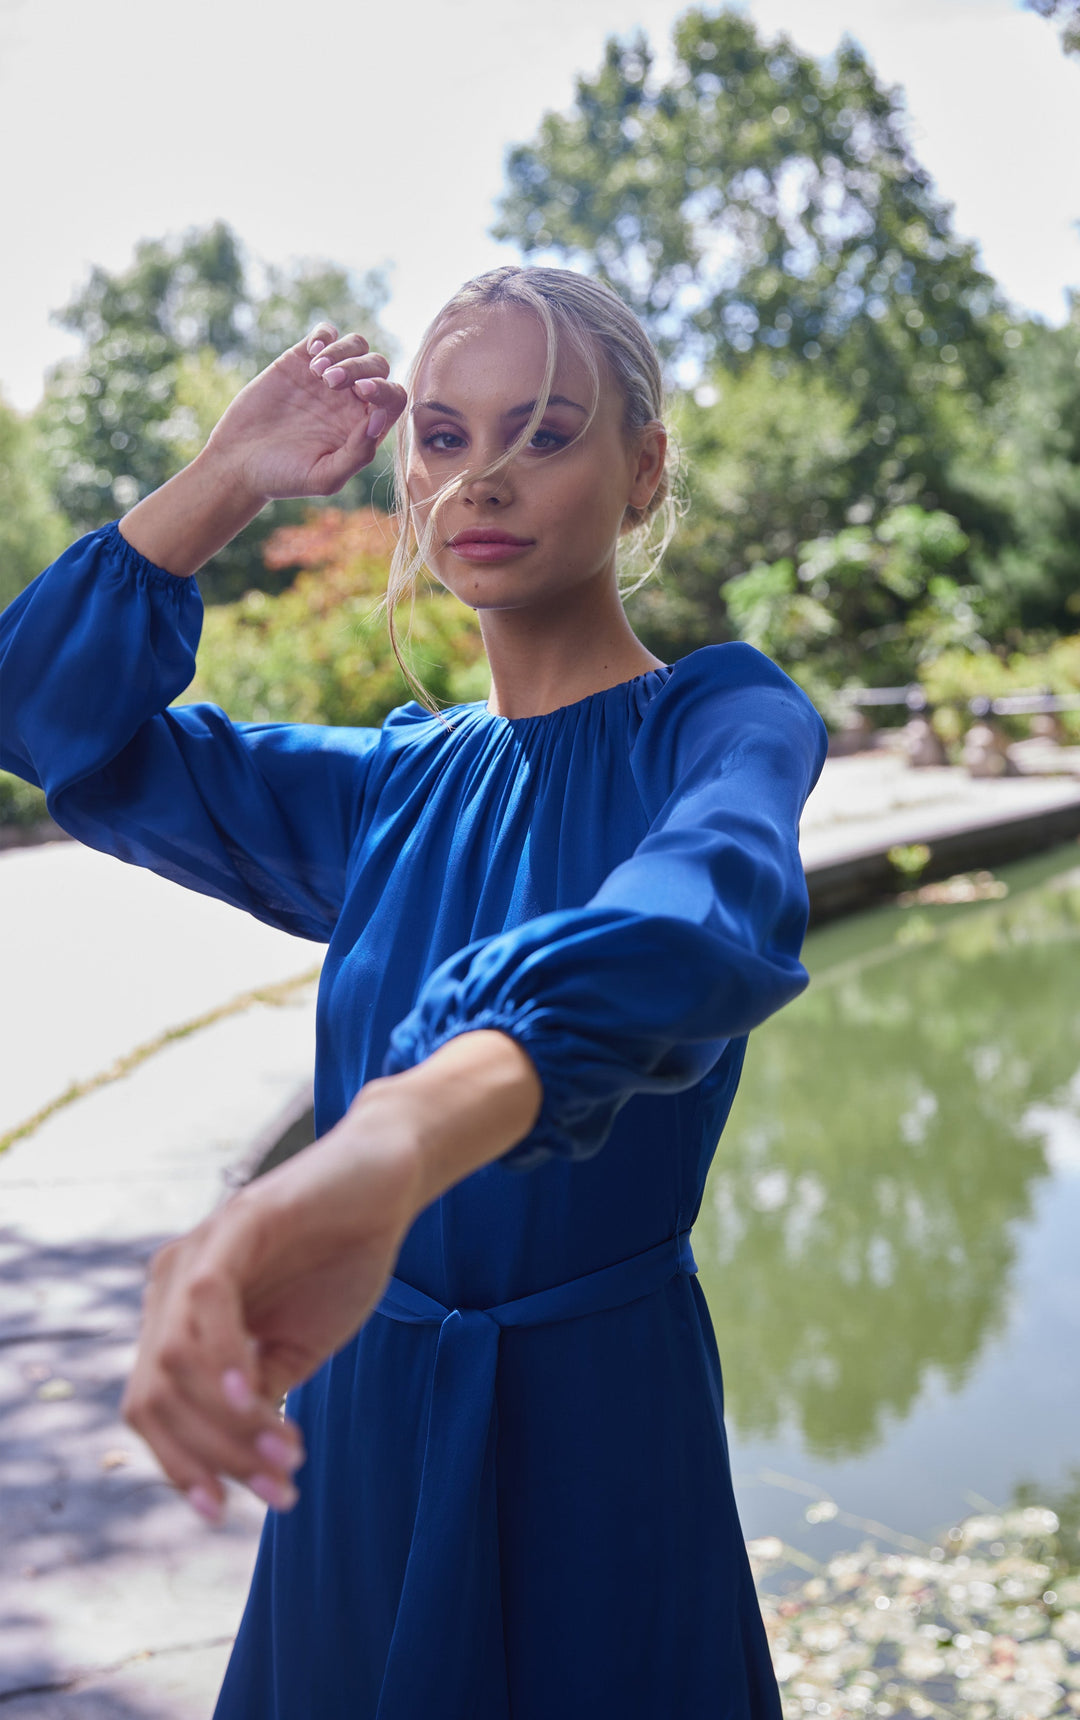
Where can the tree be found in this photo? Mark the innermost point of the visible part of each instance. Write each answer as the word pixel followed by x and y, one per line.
pixel 1067 12
pixel 167 343
pixel 1030 467
pixel 755 198
pixel 32 531
pixel 866 604
pixel 765 216
pixel 771 461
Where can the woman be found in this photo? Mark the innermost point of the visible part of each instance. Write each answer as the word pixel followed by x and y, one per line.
pixel 552 920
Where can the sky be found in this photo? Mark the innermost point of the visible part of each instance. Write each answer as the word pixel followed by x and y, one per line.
pixel 376 135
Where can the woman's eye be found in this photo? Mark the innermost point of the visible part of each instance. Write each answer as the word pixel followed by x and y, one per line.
pixel 546 441
pixel 444 441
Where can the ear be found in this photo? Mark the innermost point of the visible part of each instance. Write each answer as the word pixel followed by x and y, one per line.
pixel 647 467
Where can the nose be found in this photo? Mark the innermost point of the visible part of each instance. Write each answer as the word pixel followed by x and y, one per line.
pixel 490 490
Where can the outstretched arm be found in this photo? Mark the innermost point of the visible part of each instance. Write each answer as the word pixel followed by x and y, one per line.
pixel 256 1298
pixel 302 427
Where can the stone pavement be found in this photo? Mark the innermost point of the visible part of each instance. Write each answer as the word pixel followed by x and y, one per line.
pixel 155 1035
pixel 116 1603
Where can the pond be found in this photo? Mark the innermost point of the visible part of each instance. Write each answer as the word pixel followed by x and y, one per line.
pixel 890 1239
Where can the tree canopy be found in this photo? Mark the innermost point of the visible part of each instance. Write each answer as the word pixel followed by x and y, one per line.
pixel 836 350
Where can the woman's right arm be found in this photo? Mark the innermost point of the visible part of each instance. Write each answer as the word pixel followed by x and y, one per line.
pixel 93 652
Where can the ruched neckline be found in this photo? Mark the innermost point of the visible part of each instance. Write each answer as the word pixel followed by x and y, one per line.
pixel 649 681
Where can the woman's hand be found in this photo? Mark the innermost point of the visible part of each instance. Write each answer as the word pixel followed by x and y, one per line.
pixel 302 427
pixel 308 422
pixel 255 1299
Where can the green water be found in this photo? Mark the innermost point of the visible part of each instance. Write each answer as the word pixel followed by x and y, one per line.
pixel 890 1240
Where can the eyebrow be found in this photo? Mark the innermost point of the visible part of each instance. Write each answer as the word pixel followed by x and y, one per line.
pixel 523 411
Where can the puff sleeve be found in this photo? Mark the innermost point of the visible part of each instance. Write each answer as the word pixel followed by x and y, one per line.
pixel 690 943
pixel 260 815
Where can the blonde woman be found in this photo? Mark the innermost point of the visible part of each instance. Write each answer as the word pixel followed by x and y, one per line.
pixel 501 1487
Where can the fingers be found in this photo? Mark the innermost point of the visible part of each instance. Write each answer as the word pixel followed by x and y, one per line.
pixel 358 451
pixel 385 401
pixel 321 335
pixel 339 368
pixel 190 1395
pixel 347 363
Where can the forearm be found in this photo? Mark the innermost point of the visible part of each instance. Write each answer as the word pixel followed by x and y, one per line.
pixel 466 1105
pixel 181 525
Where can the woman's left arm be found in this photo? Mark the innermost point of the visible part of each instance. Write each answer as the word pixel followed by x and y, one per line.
pixel 691 942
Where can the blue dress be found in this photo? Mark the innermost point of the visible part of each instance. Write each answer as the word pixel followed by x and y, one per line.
pixel 517 1501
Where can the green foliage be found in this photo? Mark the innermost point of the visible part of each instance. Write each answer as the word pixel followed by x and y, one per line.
pixel 1027 463
pixel 954 678
pixel 21 806
pixel 167 343
pixel 320 651
pixel 32 532
pixel 769 463
pixel 868 603
pixel 764 214
pixel 754 197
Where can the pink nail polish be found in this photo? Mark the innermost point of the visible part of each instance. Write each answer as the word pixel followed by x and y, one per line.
pixel 315 346
pixel 320 365
pixel 376 424
pixel 279 1452
pixel 279 1495
pixel 333 377
pixel 235 1389
pixel 203 1501
pixel 366 388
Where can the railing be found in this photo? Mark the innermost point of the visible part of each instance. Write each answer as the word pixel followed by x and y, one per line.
pixel 1033 703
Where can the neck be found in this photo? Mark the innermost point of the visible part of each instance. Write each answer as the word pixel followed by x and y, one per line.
pixel 544 657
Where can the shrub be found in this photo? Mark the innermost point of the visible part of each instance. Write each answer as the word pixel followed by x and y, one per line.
pixel 319 652
pixel 21 806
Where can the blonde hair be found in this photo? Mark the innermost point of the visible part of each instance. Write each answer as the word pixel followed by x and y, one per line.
pixel 605 334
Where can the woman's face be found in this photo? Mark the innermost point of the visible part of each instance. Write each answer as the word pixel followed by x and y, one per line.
pixel 549 520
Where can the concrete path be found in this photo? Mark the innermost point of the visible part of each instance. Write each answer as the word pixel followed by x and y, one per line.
pixel 148 1037
pixel 874 800
pixel 115 1601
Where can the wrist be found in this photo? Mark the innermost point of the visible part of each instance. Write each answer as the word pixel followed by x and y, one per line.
pixel 468 1103
pixel 181 525
pixel 224 481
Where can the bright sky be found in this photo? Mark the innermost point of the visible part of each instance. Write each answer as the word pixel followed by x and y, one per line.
pixel 375 134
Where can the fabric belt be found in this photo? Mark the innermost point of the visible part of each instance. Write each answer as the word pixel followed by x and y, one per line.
pixel 446 1654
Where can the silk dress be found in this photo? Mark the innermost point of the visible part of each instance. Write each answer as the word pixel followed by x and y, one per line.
pixel 517 1503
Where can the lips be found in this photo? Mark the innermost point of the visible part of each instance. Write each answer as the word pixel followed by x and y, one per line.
pixel 489 535
pixel 489 544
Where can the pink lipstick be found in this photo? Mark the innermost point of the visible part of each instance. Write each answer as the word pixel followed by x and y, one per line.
pixel 489 543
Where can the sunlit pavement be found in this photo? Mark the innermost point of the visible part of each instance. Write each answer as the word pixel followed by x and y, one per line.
pixel 874 800
pixel 116 1602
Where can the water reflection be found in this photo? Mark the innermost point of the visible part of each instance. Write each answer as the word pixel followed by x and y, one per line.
pixel 858 1229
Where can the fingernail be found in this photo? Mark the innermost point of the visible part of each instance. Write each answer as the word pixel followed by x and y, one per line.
pixel 333 376
pixel 236 1390
pixel 203 1501
pixel 279 1495
pixel 319 365
pixel 315 346
pixel 366 388
pixel 279 1452
pixel 376 424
